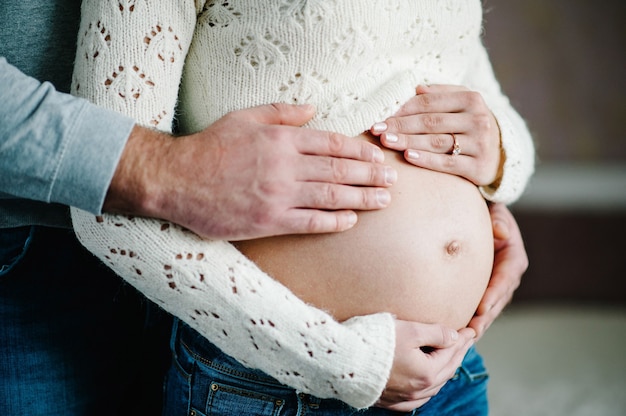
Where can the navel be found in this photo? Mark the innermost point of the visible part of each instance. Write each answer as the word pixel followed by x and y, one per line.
pixel 453 248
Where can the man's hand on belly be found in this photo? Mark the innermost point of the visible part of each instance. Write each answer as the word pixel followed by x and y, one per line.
pixel 253 173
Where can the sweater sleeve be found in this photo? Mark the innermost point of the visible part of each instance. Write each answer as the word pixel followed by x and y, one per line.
pixel 130 60
pixel 516 141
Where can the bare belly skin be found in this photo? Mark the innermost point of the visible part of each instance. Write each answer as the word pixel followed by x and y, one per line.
pixel 426 258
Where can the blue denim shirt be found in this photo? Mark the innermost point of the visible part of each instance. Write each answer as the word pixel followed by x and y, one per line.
pixel 54 148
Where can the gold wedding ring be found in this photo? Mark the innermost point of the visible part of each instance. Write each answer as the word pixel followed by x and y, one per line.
pixel 456 149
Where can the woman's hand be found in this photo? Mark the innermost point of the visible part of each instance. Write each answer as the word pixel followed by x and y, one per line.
pixel 426 357
pixel 439 119
pixel 510 263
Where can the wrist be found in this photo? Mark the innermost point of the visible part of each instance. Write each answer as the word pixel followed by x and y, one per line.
pixel 132 189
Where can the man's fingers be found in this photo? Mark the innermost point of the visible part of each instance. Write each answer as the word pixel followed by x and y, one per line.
pixel 308 141
pixel 345 171
pixel 307 221
pixel 316 142
pixel 331 196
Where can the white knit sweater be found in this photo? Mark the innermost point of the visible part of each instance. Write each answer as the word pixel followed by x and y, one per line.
pixel 357 61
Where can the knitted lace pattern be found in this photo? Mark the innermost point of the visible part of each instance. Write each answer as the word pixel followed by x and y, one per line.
pixel 357 61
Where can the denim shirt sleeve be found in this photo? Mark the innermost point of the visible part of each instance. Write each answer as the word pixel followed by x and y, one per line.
pixel 55 147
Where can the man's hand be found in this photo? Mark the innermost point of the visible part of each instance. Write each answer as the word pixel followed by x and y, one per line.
pixel 426 357
pixel 510 263
pixel 253 173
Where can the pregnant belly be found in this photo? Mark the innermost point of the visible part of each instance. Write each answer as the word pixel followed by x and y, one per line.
pixel 426 258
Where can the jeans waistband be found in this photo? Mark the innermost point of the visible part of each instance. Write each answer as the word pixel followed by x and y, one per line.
pixel 208 353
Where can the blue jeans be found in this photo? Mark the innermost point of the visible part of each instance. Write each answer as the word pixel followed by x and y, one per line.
pixel 74 339
pixel 204 381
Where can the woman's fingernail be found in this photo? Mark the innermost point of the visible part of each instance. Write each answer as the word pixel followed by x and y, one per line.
pixel 379 127
pixel 412 154
pixel 391 138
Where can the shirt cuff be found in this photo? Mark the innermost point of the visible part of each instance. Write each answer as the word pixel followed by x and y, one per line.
pixel 90 158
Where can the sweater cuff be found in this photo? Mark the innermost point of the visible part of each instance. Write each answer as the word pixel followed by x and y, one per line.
pixel 379 332
pixel 519 160
pixel 90 158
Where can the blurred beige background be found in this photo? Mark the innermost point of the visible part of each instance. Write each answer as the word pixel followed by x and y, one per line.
pixel 560 347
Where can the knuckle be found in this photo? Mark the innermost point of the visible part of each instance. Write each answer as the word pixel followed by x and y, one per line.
pixel 335 142
pixel 409 107
pixel 425 101
pixel 270 193
pixel 449 162
pixel 376 175
pixel 425 381
pixel 339 169
pixel 445 334
pixel 482 122
pixel 440 141
pixel 401 124
pixel 315 224
pixel 366 197
pixel 392 123
pixel 329 197
pixel 474 99
pixel 276 136
pixel 431 121
pixel 263 216
pixel 368 151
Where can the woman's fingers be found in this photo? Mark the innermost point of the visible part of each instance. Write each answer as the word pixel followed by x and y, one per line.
pixel 440 143
pixel 446 128
pixel 437 99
